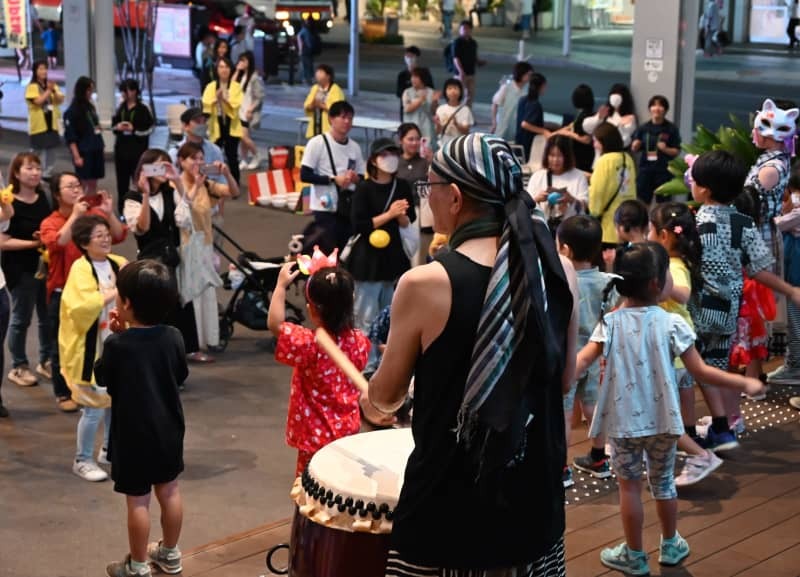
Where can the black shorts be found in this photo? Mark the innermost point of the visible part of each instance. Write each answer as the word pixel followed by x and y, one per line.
pixel 94 166
pixel 140 487
pixel 245 123
pixel 52 53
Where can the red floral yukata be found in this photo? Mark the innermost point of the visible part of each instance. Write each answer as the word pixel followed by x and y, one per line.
pixel 323 403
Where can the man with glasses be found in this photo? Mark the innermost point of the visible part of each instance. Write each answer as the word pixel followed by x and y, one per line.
pixel 333 164
pixel 56 236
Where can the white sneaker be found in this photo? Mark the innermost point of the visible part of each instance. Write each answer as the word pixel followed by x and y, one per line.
pixel 784 375
pixel 89 471
pixel 242 164
pixel 703 424
pixel 102 457
pixel 254 163
pixel 697 468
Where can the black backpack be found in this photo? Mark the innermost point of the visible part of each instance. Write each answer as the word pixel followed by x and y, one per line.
pixel 449 57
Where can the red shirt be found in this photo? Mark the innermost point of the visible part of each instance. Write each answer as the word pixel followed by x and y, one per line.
pixel 62 257
pixel 323 403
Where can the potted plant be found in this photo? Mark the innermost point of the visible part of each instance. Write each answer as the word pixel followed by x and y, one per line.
pixel 543 11
pixel 381 22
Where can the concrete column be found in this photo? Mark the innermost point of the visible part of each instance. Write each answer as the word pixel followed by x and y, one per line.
pixel 103 72
pixel 78 50
pixel 353 59
pixel 740 12
pixel 663 58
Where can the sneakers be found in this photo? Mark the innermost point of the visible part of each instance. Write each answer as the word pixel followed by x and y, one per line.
pixel 566 478
pixel 696 468
pixel 724 441
pixel 102 457
pixel 66 405
pixel 784 375
pixel 123 569
pixel 597 469
pixel 242 164
pixel 673 551
pixel 254 163
pixel 45 370
pixel 738 425
pixel 168 561
pixel 22 376
pixel 89 471
pixel 626 560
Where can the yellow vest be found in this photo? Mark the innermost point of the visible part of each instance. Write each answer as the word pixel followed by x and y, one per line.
pixel 36 121
pixel 231 109
pixel 335 94
pixel 81 305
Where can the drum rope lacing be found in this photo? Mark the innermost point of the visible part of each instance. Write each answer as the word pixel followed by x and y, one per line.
pixel 328 498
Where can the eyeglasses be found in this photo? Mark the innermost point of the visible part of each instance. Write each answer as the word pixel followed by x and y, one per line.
pixel 423 187
pixel 72 186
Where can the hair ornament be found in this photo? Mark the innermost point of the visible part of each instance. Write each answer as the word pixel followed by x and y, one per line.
pixel 678 229
pixel 308 265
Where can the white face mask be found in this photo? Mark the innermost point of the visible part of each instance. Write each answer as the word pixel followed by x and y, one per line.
pixel 94 97
pixel 411 61
pixel 615 100
pixel 388 163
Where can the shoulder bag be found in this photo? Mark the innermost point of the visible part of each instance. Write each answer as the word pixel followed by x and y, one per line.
pixel 345 196
pixel 196 272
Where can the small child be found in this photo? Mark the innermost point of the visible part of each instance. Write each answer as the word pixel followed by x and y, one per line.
pixel 632 222
pixel 731 241
pixel 142 366
pixel 579 238
pixel 50 38
pixel 672 226
pixel 638 407
pixel 323 403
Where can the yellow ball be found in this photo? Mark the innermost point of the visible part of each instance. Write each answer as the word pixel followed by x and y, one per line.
pixel 379 238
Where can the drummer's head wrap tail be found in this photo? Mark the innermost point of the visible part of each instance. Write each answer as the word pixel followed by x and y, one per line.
pixel 513 325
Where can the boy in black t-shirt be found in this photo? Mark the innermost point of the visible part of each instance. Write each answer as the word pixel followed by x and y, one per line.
pixel 142 365
pixel 659 142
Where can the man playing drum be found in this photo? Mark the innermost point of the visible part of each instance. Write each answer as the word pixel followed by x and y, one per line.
pixel 483 330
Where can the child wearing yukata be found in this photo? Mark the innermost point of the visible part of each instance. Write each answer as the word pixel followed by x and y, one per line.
pixel 323 403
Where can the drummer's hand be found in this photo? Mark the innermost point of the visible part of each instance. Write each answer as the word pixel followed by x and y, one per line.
pixel 373 415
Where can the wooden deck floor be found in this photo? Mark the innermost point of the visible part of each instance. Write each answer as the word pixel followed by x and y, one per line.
pixel 744 520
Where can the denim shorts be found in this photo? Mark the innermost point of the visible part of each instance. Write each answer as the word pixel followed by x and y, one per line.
pixel 684 378
pixel 585 389
pixel 626 460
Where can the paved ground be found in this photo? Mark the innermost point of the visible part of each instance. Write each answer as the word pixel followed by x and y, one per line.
pixel 238 467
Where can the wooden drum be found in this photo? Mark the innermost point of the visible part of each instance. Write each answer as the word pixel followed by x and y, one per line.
pixel 345 504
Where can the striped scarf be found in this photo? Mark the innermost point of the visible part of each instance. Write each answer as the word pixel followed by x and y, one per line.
pixel 514 336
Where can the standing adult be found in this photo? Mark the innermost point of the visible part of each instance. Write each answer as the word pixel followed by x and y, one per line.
pixel 250 111
pixel 465 59
pixel 237 43
pixel 525 17
pixel 506 99
pixel 20 263
pixel 44 98
pixel 202 195
pixel 6 212
pixel 411 59
pixel 414 164
pixel 222 49
pixel 618 111
pixel 333 165
pixel 204 58
pixel 583 102
pixel 794 22
pixel 419 102
pixel 612 182
pixel 305 46
pixel 383 202
pixel 195 129
pixel 323 94
pixel 711 23
pixel 530 114
pixel 448 8
pixel 659 142
pixel 487 428
pixel 222 100
pixel 56 236
pixel 248 22
pixel 150 212
pixel 83 135
pixel 132 125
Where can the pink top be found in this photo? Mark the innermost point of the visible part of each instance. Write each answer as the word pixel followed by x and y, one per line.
pixel 323 403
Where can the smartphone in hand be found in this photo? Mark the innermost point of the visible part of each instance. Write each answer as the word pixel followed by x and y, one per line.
pixel 211 169
pixel 151 170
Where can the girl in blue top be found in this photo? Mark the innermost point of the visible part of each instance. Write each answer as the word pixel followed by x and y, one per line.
pixel 638 407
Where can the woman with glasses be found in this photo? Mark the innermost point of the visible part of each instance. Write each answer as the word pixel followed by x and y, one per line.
pixel 90 294
pixel 484 332
pixel 56 235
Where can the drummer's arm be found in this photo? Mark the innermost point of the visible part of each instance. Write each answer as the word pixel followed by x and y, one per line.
pixel 389 385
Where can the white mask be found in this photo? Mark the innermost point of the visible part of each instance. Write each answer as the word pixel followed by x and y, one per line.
pixel 615 100
pixel 94 97
pixel 411 61
pixel 388 163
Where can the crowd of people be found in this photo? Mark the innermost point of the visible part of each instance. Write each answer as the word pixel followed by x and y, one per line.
pixel 431 254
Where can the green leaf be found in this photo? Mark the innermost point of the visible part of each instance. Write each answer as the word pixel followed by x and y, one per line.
pixel 674 187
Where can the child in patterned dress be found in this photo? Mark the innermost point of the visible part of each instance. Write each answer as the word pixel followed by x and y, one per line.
pixel 323 403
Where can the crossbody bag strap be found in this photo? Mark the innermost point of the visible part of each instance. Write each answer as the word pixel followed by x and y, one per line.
pixel 449 120
pixel 330 158
pixel 619 186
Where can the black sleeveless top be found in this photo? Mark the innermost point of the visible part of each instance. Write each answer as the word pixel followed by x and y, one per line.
pixel 441 519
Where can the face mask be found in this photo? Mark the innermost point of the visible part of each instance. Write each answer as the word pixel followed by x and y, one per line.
pixel 388 163
pixel 410 61
pixel 615 100
pixel 94 97
pixel 199 130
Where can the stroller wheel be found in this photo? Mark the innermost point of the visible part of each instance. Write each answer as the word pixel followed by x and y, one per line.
pixel 225 331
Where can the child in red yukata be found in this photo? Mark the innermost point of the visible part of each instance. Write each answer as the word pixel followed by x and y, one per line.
pixel 323 403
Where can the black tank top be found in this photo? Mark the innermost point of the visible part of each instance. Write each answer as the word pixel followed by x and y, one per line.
pixel 441 520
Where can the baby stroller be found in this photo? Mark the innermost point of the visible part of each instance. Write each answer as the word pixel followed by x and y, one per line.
pixel 252 280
